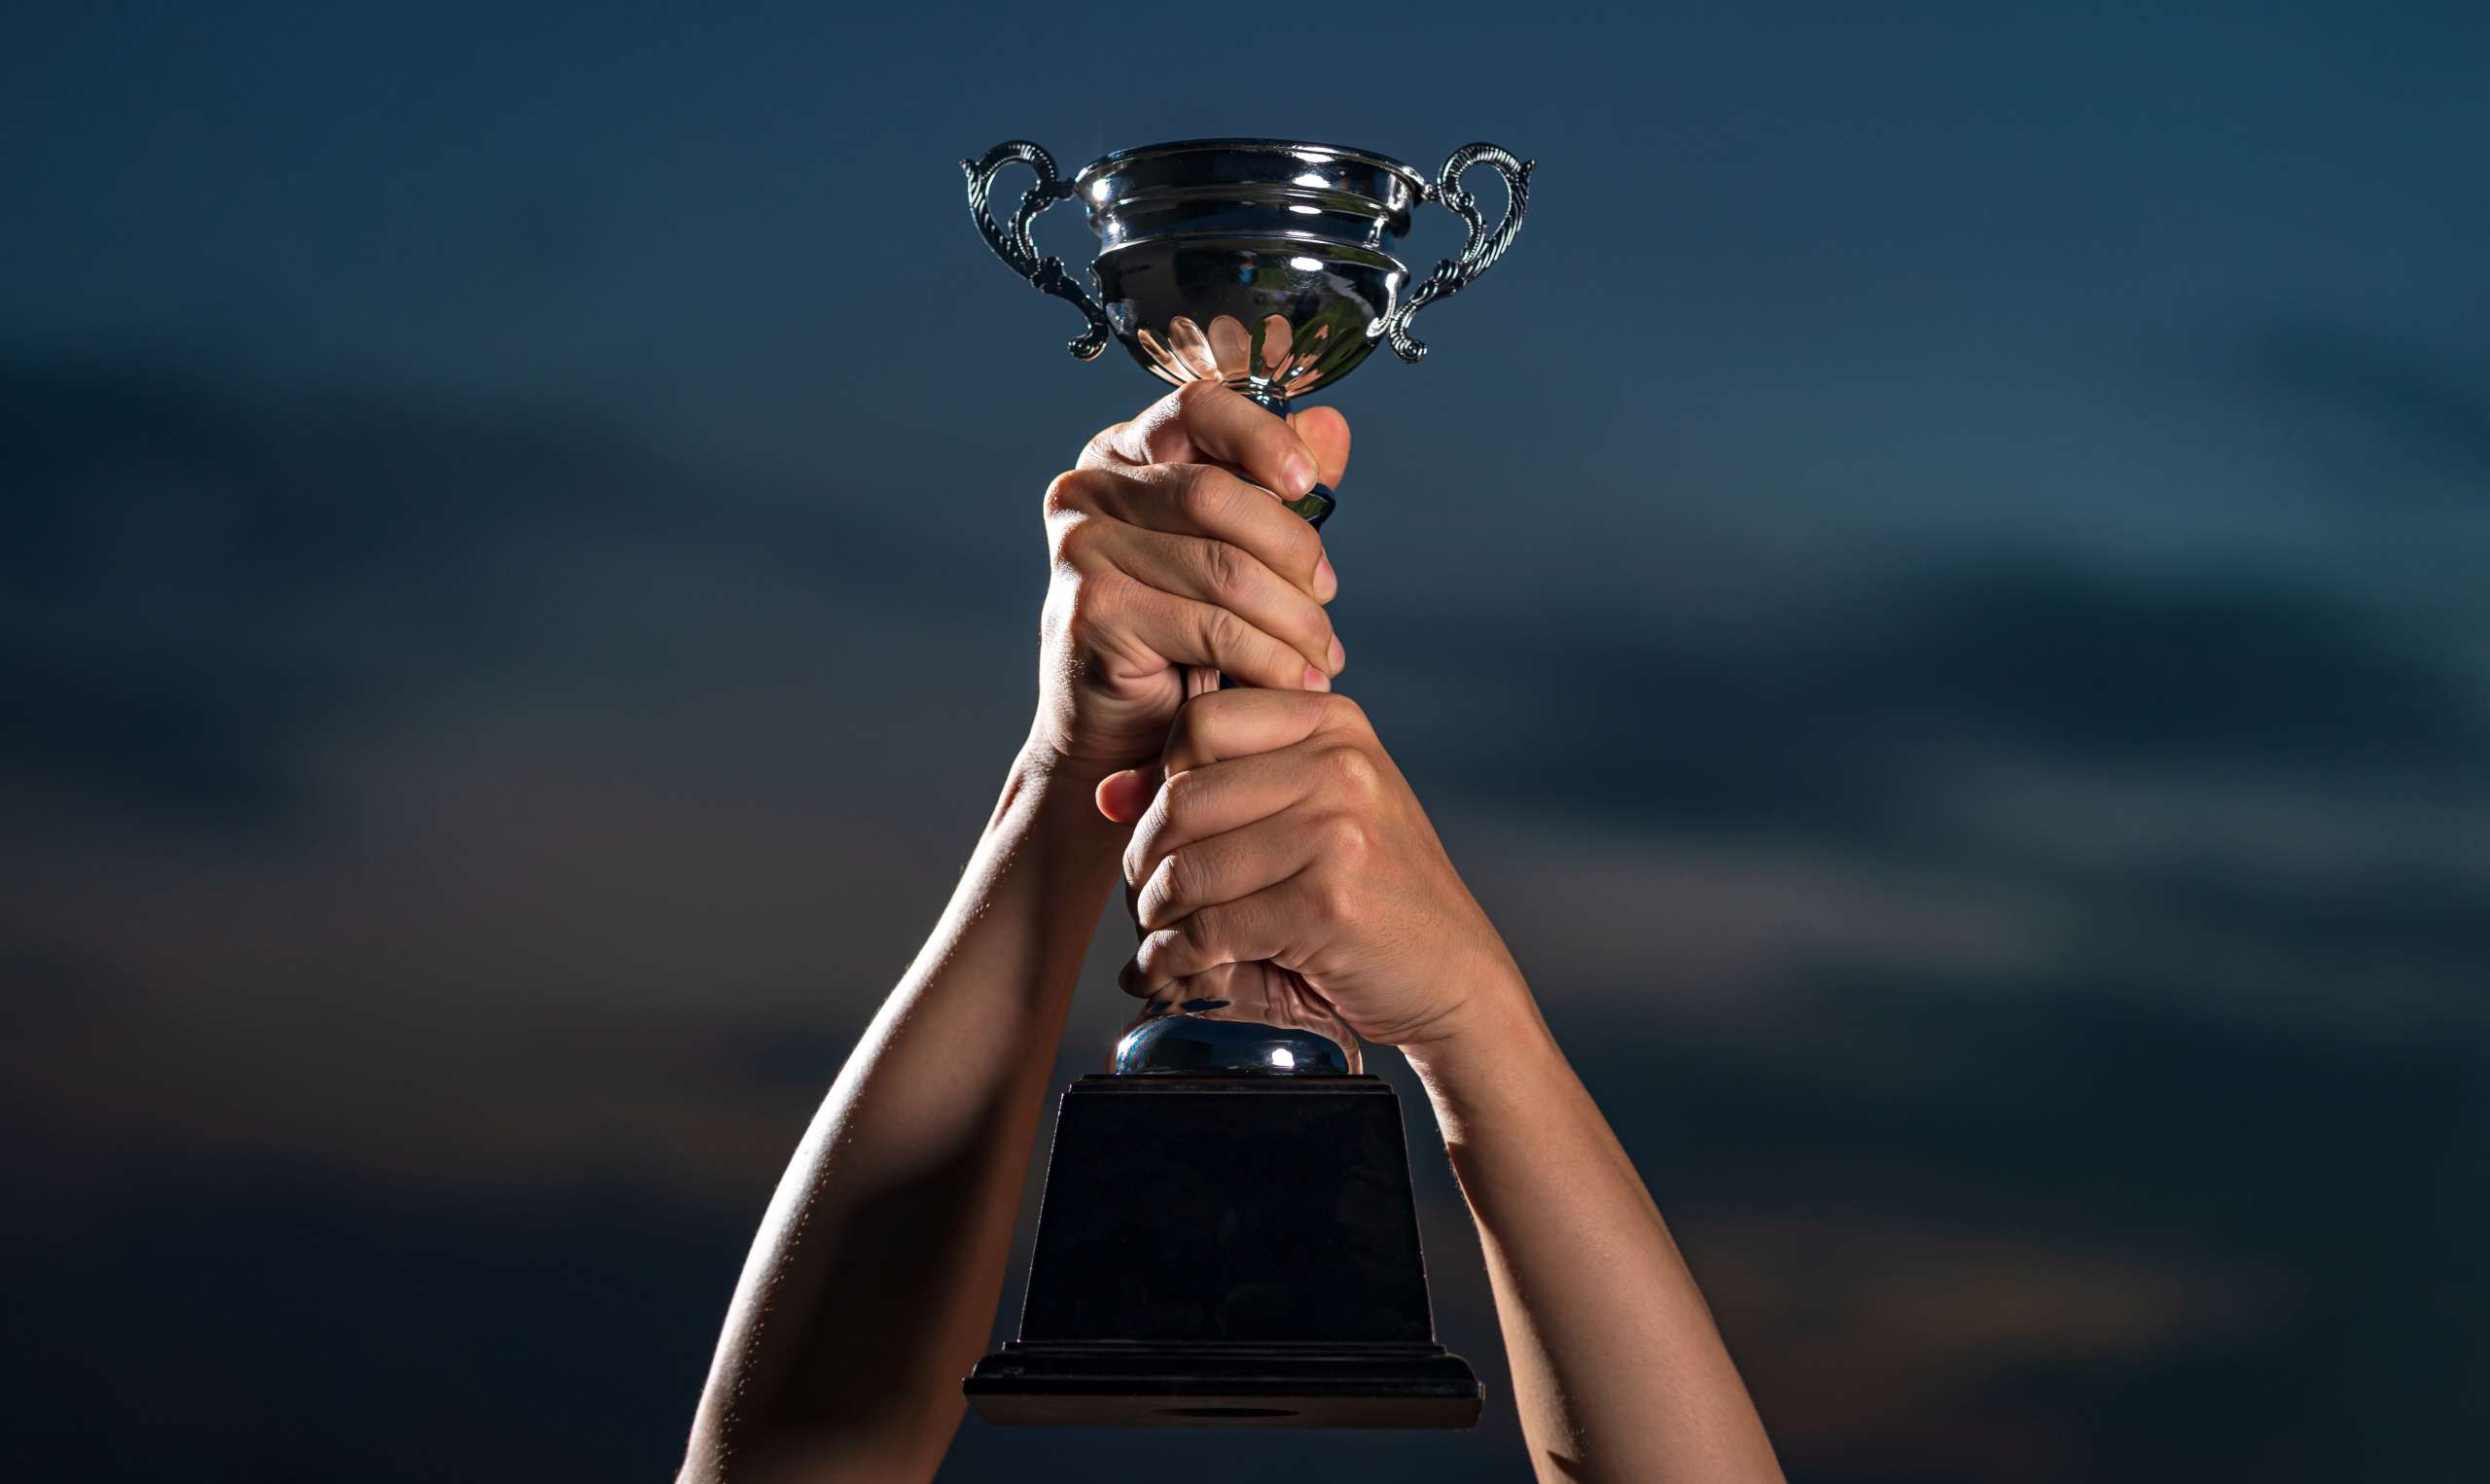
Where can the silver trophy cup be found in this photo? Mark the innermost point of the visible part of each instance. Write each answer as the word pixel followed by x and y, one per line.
pixel 1260 262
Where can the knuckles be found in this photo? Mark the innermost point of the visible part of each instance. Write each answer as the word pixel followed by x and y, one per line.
pixel 1175 883
pixel 1192 394
pixel 1332 898
pixel 1185 733
pixel 1092 601
pixel 1070 491
pixel 1207 494
pixel 1200 931
pixel 1179 796
pixel 1223 634
pixel 1224 571
pixel 1074 536
pixel 1352 772
pixel 1169 952
pixel 1343 714
pixel 1343 838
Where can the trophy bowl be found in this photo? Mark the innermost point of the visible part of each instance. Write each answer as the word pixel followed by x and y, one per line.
pixel 1263 264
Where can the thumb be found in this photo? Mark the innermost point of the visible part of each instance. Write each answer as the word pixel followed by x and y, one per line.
pixel 1123 797
pixel 1326 434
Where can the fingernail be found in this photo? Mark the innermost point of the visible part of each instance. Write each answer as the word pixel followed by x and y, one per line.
pixel 1300 471
pixel 1316 680
pixel 1339 655
pixel 1327 583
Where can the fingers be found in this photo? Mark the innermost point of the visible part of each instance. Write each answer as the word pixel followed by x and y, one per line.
pixel 1265 925
pixel 1199 500
pixel 1204 422
pixel 1186 599
pixel 1240 724
pixel 1225 576
pixel 1204 802
pixel 1226 867
pixel 1186 631
pixel 1253 989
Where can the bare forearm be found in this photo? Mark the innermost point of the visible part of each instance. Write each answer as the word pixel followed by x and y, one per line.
pixel 871 1286
pixel 1618 1369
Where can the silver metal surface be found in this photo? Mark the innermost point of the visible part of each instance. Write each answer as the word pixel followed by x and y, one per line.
pixel 1484 246
pixel 1267 264
pixel 1016 248
pixel 1272 1027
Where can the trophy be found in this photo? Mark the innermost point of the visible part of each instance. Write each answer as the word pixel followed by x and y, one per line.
pixel 1227 1234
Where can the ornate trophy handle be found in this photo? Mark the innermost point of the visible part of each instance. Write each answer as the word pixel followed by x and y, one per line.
pixel 1484 247
pixel 1014 246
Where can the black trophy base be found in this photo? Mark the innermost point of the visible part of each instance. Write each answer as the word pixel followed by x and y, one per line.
pixel 1228 1250
pixel 1239 1386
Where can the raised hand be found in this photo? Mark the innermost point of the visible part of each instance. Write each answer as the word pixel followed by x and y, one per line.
pixel 1172 549
pixel 1284 834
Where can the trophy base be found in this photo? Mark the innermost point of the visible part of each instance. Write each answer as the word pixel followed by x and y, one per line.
pixel 1227 1249
pixel 1110 1385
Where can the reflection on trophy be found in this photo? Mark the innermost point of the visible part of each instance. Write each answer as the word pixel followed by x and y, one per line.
pixel 1228 1234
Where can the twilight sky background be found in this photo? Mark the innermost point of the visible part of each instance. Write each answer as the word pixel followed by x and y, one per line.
pixel 1935 595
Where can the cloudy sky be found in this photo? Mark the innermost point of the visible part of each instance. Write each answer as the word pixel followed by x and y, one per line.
pixel 1935 595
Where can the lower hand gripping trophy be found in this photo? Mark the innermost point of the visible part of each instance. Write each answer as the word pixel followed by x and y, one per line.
pixel 1228 1234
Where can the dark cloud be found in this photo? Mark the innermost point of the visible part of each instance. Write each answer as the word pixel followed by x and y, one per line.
pixel 2362 931
pixel 362 1311
pixel 2008 1134
pixel 1838 717
pixel 205 572
pixel 2393 408
pixel 190 733
pixel 47 991
pixel 202 573
pixel 2233 667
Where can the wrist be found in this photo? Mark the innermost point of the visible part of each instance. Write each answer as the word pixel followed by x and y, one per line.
pixel 1055 798
pixel 1050 751
pixel 1497 1047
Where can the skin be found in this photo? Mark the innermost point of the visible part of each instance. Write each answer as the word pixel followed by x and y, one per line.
pixel 1261 831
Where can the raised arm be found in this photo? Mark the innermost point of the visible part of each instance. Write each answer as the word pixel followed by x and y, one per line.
pixel 1284 832
pixel 871 1283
